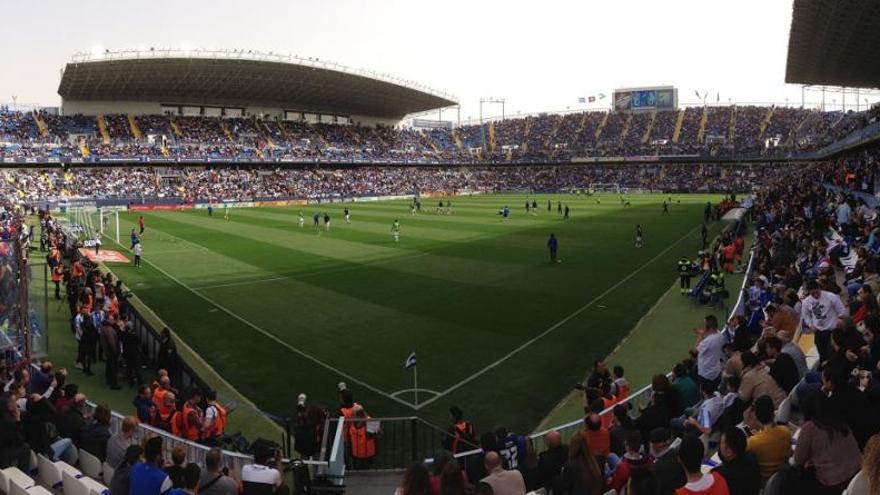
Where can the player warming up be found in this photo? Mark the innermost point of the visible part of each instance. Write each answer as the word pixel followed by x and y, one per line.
pixel 395 230
pixel 326 221
pixel 638 235
pixel 302 219
pixel 553 246
pixel 347 215
pixel 141 224
pixel 226 212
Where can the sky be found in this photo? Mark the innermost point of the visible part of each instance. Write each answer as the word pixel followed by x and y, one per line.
pixel 538 56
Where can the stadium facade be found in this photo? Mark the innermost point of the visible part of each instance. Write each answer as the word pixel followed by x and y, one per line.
pixel 238 83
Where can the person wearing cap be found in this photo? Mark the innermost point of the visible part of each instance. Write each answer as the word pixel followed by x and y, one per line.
pixel 668 473
pixel 820 313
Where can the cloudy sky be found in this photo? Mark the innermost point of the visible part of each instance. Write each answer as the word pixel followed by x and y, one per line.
pixel 539 56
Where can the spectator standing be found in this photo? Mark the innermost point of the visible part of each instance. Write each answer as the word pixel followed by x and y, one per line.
pixel 96 432
pixel 214 481
pixel 191 475
pixel 70 422
pixel 119 443
pixel 820 313
pixel 148 478
pixel 176 469
pixel 110 344
pixel 710 352
pixel 120 482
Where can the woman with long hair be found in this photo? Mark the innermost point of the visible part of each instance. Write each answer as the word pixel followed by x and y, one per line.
pixel 581 474
pixel 869 480
pixel 826 446
pixel 415 481
pixel 451 479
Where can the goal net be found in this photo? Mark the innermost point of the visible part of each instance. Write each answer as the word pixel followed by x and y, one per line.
pixel 87 222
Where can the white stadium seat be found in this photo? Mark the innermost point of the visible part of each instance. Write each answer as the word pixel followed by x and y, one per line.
pixel 89 464
pixel 107 471
pixel 17 489
pixel 13 473
pixel 81 486
pixel 49 473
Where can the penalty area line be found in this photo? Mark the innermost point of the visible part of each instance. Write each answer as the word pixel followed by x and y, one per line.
pixel 558 324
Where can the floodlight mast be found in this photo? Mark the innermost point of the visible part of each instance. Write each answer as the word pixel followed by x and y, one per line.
pixel 489 100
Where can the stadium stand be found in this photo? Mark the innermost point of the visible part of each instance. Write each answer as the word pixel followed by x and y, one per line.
pixel 740 131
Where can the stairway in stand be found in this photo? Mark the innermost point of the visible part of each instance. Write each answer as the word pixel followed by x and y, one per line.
pixel 676 134
pixel 102 128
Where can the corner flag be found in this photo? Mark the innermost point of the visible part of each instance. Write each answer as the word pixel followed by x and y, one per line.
pixel 410 361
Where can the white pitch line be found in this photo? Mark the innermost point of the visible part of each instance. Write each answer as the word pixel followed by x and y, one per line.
pixel 555 326
pixel 405 390
pixel 275 338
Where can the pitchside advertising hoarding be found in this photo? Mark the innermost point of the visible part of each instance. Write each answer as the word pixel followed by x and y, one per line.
pixel 652 98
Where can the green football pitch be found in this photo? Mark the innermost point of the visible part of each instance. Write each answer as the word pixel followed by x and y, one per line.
pixel 498 329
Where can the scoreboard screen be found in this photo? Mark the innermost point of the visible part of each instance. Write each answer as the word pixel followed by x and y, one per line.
pixel 645 99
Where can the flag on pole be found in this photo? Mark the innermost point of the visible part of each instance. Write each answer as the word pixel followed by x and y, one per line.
pixel 601 96
pixel 592 99
pixel 697 93
pixel 582 99
pixel 410 361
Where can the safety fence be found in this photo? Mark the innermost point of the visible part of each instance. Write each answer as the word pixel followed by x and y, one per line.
pixel 390 443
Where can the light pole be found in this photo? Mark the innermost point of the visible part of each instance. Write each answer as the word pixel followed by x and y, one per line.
pixel 489 100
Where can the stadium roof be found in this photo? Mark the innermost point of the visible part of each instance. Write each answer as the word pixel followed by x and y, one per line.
pixel 237 78
pixel 835 43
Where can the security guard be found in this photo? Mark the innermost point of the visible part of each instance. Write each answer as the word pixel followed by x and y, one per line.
pixel 685 271
pixel 716 287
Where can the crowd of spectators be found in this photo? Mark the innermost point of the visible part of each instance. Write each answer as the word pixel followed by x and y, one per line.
pixel 728 130
pixel 199 184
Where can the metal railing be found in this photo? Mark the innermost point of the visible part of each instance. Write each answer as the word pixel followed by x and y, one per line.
pixel 398 441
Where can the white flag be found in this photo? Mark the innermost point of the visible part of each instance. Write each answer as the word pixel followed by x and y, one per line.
pixel 410 361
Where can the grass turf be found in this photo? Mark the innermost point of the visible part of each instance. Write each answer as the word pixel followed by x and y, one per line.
pixel 463 290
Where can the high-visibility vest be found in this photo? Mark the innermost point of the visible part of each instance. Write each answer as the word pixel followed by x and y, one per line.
pixel 219 424
pixel 348 413
pixel 190 431
pixel 464 431
pixel 363 444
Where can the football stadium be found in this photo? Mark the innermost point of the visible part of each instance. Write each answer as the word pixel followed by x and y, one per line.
pixel 247 271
